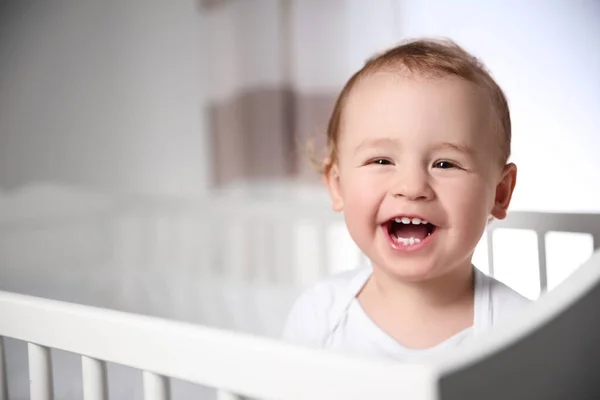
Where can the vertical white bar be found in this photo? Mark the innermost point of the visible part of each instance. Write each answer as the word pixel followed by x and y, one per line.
pixel 541 240
pixel 324 249
pixel 156 387
pixel 40 372
pixel 234 245
pixel 261 235
pixel 95 386
pixel 284 249
pixel 3 379
pixel 186 247
pixel 165 223
pixel 224 395
pixel 307 263
pixel 207 236
pixel 127 253
pixel 490 250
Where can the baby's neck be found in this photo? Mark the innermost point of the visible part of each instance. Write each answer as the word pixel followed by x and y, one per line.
pixel 437 293
pixel 420 314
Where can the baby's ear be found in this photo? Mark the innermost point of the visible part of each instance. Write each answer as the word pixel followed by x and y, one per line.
pixel 331 179
pixel 504 191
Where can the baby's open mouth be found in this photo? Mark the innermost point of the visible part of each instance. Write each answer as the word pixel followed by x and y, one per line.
pixel 409 230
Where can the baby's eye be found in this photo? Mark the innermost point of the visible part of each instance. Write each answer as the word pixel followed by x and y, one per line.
pixel 381 161
pixel 444 165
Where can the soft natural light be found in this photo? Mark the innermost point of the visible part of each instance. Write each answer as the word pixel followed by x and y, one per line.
pixel 565 252
pixel 516 261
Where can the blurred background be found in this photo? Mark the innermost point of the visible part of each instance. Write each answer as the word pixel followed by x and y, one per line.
pixel 182 97
pixel 152 152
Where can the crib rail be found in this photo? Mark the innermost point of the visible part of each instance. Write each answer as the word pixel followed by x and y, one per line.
pixel 3 375
pixel 542 224
pixel 268 240
pixel 233 363
pixel 198 235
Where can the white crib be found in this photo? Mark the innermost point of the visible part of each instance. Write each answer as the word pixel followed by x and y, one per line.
pixel 182 292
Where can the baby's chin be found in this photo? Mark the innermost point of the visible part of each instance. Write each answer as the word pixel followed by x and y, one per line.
pixel 411 271
pixel 415 270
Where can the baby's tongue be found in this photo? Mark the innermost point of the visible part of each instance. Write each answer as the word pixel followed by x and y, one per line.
pixel 410 230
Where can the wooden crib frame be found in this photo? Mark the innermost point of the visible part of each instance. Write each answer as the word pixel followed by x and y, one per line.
pixel 238 364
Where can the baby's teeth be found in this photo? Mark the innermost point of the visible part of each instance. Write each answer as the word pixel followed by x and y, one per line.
pixel 414 221
pixel 409 241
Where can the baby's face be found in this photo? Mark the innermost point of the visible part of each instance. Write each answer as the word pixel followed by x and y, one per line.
pixel 414 149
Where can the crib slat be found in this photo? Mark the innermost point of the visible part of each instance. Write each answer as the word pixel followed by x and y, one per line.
pixel 490 250
pixel 203 246
pixel 260 237
pixel 224 395
pixel 40 372
pixel 156 387
pixel 95 385
pixel 324 249
pixel 541 239
pixel 234 249
pixel 283 251
pixel 3 380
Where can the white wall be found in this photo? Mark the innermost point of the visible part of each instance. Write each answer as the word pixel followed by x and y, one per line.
pixel 103 93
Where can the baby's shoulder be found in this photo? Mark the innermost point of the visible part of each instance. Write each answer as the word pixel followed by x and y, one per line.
pixel 314 311
pixel 329 288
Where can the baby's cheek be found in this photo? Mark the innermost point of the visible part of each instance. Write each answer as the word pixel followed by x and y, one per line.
pixel 472 217
pixel 358 191
pixel 468 205
pixel 361 208
pixel 467 193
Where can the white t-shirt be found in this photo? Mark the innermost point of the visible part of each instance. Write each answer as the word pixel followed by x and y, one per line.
pixel 329 316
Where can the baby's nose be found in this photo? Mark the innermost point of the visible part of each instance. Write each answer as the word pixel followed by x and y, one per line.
pixel 413 185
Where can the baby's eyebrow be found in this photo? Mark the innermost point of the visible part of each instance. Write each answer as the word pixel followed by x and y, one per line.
pixel 462 148
pixel 377 143
pixel 387 143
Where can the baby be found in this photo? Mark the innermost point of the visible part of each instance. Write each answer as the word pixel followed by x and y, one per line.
pixel 418 148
